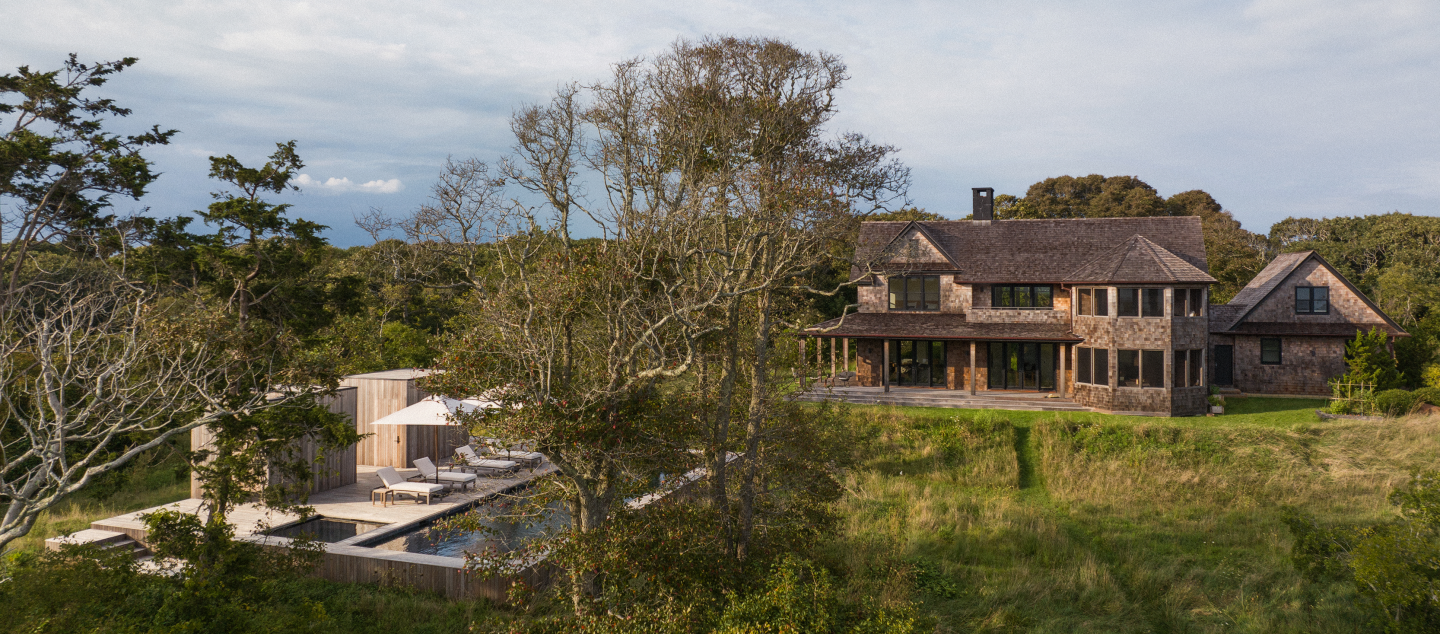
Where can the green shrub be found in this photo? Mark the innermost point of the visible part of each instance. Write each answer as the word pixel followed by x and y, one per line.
pixel 1394 402
pixel 1430 376
pixel 1429 395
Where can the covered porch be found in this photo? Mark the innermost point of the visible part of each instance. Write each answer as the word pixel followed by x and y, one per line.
pixel 939 352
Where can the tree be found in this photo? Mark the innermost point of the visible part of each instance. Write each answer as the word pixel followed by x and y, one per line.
pixel 59 166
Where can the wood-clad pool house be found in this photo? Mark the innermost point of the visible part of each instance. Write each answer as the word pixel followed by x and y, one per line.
pixel 1111 313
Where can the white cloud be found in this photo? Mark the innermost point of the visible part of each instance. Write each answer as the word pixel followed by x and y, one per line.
pixel 344 185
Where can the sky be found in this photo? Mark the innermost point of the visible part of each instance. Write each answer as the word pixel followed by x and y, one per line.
pixel 1277 108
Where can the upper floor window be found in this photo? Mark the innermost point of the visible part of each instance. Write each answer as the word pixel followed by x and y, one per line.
pixel 1312 300
pixel 1013 296
pixel 1190 302
pixel 915 292
pixel 1094 301
pixel 1140 302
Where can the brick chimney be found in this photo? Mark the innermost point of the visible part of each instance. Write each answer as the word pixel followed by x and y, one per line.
pixel 984 198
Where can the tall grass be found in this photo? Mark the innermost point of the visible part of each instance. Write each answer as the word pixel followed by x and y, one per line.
pixel 1120 525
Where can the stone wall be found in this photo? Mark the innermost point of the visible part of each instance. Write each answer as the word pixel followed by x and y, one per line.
pixel 957 365
pixel 874 298
pixel 1306 364
pixel 870 353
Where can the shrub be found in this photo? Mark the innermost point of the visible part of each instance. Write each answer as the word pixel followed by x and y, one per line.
pixel 1429 395
pixel 1430 376
pixel 1394 402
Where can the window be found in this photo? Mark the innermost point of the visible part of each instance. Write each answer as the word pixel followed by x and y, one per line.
pixel 1012 296
pixel 1312 300
pixel 1102 302
pixel 1102 366
pixel 1127 302
pixel 1197 302
pixel 1188 365
pixel 1152 368
pixel 1180 300
pixel 1082 365
pixel 1177 379
pixel 1154 302
pixel 1127 365
pixel 1086 305
pixel 1270 351
pixel 917 292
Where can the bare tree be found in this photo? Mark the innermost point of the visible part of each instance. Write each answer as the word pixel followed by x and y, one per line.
pixel 96 370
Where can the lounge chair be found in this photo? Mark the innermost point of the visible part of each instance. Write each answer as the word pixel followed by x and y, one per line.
pixel 484 466
pixel 428 470
pixel 496 450
pixel 396 485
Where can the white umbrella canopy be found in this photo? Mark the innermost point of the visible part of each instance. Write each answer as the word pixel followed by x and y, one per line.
pixel 434 411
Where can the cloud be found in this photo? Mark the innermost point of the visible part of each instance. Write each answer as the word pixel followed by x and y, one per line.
pixel 344 185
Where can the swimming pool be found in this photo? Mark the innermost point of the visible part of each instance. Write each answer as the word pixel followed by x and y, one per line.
pixel 326 529
pixel 500 532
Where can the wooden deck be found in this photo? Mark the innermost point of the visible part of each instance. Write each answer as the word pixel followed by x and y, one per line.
pixel 346 561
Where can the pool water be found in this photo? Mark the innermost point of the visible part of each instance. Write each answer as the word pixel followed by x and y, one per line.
pixel 505 535
pixel 326 529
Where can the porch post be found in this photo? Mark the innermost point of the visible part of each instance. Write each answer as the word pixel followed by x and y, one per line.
pixel 972 368
pixel 1064 355
pixel 832 357
pixel 845 343
pixel 885 367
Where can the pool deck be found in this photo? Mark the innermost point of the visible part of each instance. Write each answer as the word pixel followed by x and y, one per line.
pixel 351 502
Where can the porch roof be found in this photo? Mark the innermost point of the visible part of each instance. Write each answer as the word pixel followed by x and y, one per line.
pixel 936 326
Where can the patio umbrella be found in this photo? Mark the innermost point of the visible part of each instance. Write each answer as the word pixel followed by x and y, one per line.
pixel 434 411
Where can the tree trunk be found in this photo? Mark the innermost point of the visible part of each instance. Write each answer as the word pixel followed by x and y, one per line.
pixel 719 496
pixel 754 425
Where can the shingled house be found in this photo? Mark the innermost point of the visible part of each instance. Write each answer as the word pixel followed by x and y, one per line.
pixel 1113 312
pixel 1285 332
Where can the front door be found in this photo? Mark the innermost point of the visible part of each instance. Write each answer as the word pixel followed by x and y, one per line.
pixel 1022 365
pixel 1224 365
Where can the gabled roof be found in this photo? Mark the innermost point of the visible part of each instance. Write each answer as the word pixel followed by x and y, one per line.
pixel 894 244
pixel 1049 250
pixel 1136 261
pixel 1265 283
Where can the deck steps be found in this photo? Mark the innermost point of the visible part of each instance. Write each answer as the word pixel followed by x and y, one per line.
pixel 941 398
pixel 106 540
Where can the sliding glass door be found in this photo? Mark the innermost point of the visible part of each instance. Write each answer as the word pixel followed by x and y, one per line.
pixel 1022 365
pixel 918 363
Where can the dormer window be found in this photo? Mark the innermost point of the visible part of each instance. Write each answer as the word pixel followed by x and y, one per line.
pixel 1312 300
pixel 914 292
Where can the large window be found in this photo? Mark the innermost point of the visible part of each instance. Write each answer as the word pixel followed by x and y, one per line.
pixel 1127 302
pixel 1270 350
pixel 1153 302
pixel 1152 368
pixel 1312 300
pixel 1014 296
pixel 1093 301
pixel 915 292
pixel 1127 366
pixel 1190 302
pixel 1092 365
pixel 1188 365
pixel 920 363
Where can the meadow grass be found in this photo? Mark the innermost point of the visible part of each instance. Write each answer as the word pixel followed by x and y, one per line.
pixel 143 487
pixel 1084 522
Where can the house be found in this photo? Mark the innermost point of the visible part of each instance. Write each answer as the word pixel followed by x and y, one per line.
pixel 1113 313
pixel 1285 332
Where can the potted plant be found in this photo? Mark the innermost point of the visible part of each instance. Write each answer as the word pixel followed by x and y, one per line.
pixel 1217 402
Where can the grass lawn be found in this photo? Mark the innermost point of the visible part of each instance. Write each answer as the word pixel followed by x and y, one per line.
pixel 1038 521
